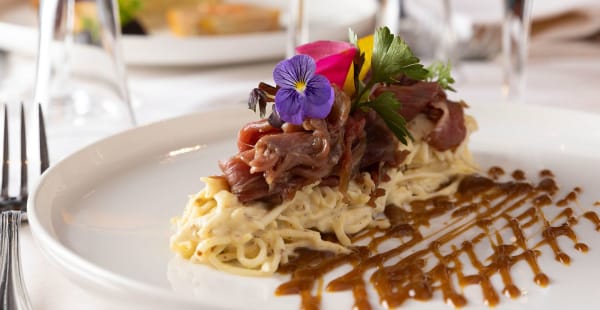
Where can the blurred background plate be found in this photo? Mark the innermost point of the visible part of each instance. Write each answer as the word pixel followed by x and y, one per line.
pixel 18 33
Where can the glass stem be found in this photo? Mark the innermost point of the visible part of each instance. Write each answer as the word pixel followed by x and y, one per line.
pixel 109 18
pixel 446 46
pixel 47 17
pixel 515 38
pixel 388 14
pixel 297 32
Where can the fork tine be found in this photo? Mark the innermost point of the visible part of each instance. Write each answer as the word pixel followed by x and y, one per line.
pixel 24 163
pixel 4 189
pixel 44 158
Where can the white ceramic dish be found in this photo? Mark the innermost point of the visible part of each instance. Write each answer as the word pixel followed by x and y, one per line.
pixel 19 33
pixel 102 214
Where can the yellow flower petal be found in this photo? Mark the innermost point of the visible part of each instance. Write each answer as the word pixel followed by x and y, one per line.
pixel 365 45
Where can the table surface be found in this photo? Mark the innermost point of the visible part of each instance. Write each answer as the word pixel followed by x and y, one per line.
pixel 568 81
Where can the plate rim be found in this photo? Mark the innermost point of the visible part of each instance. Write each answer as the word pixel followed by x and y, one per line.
pixel 69 262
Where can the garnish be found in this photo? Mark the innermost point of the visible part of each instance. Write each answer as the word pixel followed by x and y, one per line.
pixel 302 92
pixel 260 96
pixel 387 107
pixel 333 59
pixel 440 73
pixel 361 63
pixel 359 67
pixel 391 59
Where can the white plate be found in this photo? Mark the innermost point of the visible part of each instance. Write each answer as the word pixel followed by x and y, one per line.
pixel 102 215
pixel 327 20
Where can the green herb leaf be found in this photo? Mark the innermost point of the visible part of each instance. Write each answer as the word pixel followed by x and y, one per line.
pixel 392 57
pixel 387 107
pixel 441 73
pixel 128 9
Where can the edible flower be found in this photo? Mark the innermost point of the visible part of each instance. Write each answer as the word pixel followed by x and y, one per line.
pixel 302 92
pixel 304 82
pixel 391 57
pixel 333 59
pixel 365 46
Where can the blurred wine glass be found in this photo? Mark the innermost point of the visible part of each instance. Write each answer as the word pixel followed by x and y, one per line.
pixel 388 14
pixel 515 40
pixel 80 78
pixel 297 28
pixel 447 43
pixel 428 26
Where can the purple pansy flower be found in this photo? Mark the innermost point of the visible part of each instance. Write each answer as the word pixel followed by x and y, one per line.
pixel 302 93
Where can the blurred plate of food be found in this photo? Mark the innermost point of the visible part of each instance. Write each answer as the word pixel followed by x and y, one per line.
pixel 195 32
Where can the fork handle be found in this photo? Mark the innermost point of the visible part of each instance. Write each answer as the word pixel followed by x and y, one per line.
pixel 12 289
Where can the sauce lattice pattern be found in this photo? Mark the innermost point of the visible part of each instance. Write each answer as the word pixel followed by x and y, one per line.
pixel 448 243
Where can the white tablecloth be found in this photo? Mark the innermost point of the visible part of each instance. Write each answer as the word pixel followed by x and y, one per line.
pixel 566 81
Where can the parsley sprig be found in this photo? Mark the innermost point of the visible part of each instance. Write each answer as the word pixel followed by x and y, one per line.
pixel 387 107
pixel 440 73
pixel 391 59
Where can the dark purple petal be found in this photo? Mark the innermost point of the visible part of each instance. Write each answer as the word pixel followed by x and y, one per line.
pixel 319 97
pixel 290 105
pixel 298 68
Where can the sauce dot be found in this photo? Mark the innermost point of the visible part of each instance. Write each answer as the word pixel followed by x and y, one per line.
pixel 495 172
pixel 457 300
pixel 511 291
pixel 541 279
pixel 581 247
pixel 563 258
pixel 518 175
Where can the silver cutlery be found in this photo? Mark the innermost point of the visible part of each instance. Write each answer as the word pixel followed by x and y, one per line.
pixel 13 209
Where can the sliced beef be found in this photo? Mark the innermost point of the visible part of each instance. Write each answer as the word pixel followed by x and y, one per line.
pixel 273 163
pixel 414 98
pixel 429 98
pixel 449 131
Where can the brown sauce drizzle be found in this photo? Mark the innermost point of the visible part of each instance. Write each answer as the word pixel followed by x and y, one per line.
pixel 546 174
pixel 430 258
pixel 570 197
pixel 495 172
pixel 593 217
pixel 518 175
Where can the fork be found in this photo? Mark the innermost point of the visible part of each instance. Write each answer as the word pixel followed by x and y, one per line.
pixel 12 210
